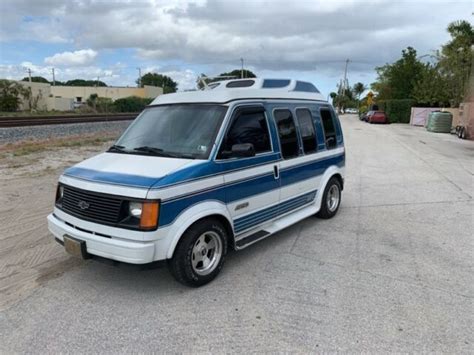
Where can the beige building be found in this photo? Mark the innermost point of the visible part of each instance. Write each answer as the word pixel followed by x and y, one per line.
pixel 65 98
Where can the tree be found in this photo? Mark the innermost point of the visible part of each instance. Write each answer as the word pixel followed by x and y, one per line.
pixel 163 81
pixel 455 60
pixel 11 95
pixel 397 80
pixel 445 82
pixel 131 104
pixel 359 89
pixel 36 79
pixel 82 82
pixel 236 74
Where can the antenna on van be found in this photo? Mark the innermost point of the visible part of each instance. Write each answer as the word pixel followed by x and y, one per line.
pixel 203 79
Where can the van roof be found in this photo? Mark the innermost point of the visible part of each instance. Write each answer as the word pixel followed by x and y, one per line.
pixel 251 88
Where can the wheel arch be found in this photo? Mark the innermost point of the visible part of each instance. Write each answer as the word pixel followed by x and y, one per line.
pixel 332 171
pixel 196 214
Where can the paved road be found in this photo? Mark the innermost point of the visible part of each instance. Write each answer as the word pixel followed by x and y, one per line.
pixel 393 272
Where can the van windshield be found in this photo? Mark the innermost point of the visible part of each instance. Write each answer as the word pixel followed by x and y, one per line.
pixel 178 131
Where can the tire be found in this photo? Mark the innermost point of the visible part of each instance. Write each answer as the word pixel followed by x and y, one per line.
pixel 330 203
pixel 463 133
pixel 205 242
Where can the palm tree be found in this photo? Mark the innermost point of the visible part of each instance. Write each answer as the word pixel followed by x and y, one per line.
pixel 359 89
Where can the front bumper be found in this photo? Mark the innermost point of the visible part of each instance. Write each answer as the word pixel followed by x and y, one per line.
pixel 133 252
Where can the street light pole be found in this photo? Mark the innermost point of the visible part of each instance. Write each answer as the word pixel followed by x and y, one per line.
pixel 242 69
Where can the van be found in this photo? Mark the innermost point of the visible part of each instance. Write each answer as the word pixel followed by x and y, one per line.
pixel 199 173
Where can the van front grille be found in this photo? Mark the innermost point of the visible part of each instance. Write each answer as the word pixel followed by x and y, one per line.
pixel 91 205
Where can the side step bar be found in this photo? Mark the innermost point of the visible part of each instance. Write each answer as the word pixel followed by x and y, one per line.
pixel 242 243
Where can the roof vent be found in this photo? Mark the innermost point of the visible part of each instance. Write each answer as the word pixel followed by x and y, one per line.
pixel 240 84
pixel 305 86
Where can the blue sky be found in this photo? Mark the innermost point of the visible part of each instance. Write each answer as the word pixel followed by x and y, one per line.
pixel 307 40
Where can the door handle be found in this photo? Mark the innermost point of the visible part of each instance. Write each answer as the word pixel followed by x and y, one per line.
pixel 276 173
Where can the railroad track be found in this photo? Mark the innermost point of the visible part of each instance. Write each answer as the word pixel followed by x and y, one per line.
pixel 47 120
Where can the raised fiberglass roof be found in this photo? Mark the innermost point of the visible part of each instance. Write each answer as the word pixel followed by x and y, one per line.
pixel 250 88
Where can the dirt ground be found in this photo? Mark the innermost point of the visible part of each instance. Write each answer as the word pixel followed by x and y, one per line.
pixel 28 177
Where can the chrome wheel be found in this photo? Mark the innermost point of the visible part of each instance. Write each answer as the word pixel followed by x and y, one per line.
pixel 332 198
pixel 207 253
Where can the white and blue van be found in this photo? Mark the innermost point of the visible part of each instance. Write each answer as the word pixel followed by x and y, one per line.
pixel 198 173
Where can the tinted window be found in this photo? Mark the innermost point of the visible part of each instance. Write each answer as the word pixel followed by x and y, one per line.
pixel 287 133
pixel 240 84
pixel 248 127
pixel 308 135
pixel 305 86
pixel 329 128
pixel 275 83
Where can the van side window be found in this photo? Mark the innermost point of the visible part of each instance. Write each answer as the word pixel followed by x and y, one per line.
pixel 248 127
pixel 287 133
pixel 329 129
pixel 308 134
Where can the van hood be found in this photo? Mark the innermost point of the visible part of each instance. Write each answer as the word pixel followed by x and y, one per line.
pixel 127 170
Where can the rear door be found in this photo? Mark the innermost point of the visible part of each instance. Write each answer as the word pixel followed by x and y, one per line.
pixel 298 143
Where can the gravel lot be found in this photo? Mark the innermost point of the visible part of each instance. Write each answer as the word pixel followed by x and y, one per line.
pixel 392 272
pixel 15 134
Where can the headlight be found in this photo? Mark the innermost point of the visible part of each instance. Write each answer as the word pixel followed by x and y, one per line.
pixel 142 214
pixel 135 209
pixel 59 194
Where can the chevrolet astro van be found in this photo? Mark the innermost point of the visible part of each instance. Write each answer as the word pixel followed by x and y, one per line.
pixel 198 173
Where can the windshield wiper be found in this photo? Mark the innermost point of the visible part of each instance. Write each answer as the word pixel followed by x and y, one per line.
pixel 160 152
pixel 117 148
pixel 153 150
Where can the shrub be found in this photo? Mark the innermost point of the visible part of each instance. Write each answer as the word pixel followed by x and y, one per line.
pixel 131 104
pixel 398 111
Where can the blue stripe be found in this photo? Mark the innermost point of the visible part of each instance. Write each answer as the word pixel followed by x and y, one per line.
pixel 259 217
pixel 111 178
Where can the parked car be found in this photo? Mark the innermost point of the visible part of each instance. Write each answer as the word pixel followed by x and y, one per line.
pixel 200 172
pixel 364 116
pixel 377 117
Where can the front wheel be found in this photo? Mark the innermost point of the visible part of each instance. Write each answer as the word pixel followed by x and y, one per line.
pixel 200 253
pixel 331 199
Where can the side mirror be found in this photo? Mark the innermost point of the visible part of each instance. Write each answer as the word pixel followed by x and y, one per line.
pixel 243 150
pixel 330 141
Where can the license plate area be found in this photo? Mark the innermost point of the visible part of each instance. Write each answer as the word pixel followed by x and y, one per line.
pixel 76 247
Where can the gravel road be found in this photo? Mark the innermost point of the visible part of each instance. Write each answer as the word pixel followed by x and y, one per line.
pixel 15 134
pixel 391 273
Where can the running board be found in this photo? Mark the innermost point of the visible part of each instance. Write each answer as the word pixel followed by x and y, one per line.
pixel 277 225
pixel 252 238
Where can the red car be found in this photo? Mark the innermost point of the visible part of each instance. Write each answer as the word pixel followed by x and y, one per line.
pixel 377 117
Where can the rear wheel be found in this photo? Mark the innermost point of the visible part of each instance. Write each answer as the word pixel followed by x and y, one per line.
pixel 200 254
pixel 331 199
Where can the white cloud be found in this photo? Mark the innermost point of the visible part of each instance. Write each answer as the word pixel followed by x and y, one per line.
pixel 79 58
pixel 272 36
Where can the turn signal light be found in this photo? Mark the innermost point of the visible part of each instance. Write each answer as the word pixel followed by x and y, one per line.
pixel 149 217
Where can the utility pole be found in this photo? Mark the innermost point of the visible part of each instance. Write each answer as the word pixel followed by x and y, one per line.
pixel 54 79
pixel 139 77
pixel 29 74
pixel 242 69
pixel 344 83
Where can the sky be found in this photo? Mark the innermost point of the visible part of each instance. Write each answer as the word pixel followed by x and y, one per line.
pixel 308 40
